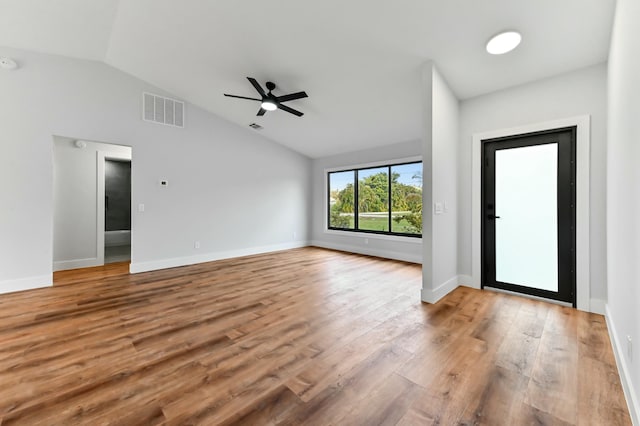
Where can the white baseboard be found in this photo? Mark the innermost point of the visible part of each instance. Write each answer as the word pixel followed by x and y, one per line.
pixel 63 265
pixel 387 254
pixel 623 370
pixel 432 296
pixel 466 280
pixel 154 265
pixel 597 306
pixel 29 283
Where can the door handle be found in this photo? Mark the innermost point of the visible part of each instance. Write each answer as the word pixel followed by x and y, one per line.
pixel 490 216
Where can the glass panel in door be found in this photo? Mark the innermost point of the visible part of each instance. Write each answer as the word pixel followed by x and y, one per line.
pixel 526 185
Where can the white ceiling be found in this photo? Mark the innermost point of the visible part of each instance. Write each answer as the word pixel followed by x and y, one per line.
pixel 358 60
pixel 63 27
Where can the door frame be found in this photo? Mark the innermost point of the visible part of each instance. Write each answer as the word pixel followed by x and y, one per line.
pixel 583 139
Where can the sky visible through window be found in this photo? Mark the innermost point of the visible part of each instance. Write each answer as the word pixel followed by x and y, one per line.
pixel 410 174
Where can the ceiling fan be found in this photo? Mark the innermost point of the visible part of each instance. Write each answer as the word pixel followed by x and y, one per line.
pixel 271 102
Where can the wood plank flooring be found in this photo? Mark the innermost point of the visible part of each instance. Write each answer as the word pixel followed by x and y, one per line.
pixel 306 336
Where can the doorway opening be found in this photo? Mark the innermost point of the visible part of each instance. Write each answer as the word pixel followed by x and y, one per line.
pixel 529 214
pixel 117 210
pixel 92 203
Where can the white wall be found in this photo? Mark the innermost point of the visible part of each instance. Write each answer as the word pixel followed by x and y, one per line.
pixel 75 203
pixel 440 151
pixel 582 92
pixel 623 197
pixel 230 188
pixel 402 248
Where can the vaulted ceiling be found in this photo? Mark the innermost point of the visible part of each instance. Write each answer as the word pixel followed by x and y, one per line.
pixel 359 60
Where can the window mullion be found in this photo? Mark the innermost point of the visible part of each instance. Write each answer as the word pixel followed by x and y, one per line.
pixel 356 213
pixel 328 200
pixel 389 203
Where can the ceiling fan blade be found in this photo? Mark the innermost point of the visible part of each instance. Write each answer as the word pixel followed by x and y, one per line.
pixel 261 112
pixel 292 97
pixel 242 97
pixel 290 110
pixel 257 86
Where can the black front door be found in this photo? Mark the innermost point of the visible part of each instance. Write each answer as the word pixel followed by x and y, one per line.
pixel 529 219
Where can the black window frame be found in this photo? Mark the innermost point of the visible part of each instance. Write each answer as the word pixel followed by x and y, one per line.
pixel 356 207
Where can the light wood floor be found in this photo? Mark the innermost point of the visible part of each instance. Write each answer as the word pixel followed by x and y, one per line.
pixel 306 336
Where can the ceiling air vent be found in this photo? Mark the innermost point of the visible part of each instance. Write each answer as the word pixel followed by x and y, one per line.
pixel 255 126
pixel 161 110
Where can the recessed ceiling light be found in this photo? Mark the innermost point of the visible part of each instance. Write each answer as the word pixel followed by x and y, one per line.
pixel 8 63
pixel 504 42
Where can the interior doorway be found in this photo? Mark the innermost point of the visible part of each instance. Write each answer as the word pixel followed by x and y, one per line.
pixel 529 214
pixel 81 170
pixel 117 210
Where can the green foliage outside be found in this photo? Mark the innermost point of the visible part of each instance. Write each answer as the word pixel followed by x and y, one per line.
pixel 373 197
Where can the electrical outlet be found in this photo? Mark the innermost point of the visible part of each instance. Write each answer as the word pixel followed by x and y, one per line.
pixel 366 241
pixel 295 235
pixel 630 348
pixel 196 244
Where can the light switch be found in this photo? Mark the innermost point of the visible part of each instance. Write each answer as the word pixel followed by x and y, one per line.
pixel 437 207
pixel 141 207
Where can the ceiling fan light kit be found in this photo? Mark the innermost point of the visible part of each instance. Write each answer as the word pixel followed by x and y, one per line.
pixel 269 106
pixel 269 101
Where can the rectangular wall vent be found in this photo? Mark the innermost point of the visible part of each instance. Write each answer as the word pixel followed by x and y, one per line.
pixel 255 126
pixel 161 110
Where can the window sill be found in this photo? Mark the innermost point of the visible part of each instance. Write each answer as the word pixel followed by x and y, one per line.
pixel 399 238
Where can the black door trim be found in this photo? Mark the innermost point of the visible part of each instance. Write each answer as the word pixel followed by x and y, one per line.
pixel 566 139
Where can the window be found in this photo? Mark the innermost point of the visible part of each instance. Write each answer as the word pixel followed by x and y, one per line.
pixel 382 199
pixel 341 200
